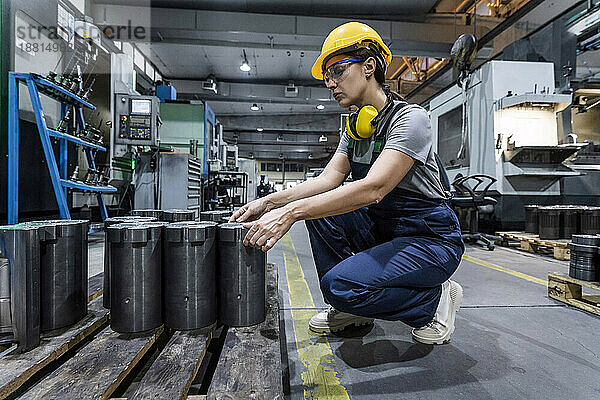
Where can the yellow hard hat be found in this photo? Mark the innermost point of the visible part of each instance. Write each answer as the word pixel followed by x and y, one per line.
pixel 345 36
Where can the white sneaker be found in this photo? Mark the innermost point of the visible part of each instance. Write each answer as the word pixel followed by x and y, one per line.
pixel 439 330
pixel 332 320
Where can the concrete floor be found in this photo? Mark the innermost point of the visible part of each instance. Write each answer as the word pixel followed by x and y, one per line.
pixel 511 340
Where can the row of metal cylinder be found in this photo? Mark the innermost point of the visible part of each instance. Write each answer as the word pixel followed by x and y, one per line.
pixel 562 222
pixel 43 278
pixel 184 274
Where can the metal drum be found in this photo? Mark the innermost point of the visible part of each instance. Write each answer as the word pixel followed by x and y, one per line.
pixel 136 275
pixel 190 275
pixel 241 277
pixel 147 213
pixel 178 215
pixel 5 316
pixel 569 221
pixel 20 244
pixel 63 272
pixel 590 220
pixel 109 222
pixel 531 219
pixel 217 216
pixel 549 222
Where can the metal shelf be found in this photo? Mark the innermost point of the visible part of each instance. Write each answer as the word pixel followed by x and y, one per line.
pixel 74 139
pixel 45 86
pixel 83 186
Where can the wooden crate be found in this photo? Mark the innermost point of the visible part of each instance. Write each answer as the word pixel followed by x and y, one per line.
pixel 563 288
pixel 105 363
pixel 533 244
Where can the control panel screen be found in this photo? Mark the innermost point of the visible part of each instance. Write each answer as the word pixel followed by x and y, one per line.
pixel 141 106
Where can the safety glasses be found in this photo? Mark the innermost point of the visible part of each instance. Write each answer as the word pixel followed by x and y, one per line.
pixel 337 69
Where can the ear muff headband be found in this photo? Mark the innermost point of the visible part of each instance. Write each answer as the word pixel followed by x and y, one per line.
pixel 362 123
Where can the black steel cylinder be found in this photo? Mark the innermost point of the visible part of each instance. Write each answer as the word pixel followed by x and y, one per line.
pixel 136 275
pixel 217 216
pixel 549 222
pixel 531 219
pixel 63 273
pixel 178 215
pixel 241 277
pixel 585 262
pixel 588 240
pixel 5 315
pixel 109 222
pixel 569 221
pixel 590 220
pixel 147 213
pixel 20 244
pixel 190 275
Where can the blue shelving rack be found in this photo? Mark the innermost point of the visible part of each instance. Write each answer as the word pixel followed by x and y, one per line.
pixel 58 172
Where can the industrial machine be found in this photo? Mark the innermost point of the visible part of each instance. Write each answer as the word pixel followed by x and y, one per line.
pixel 137 120
pixel 502 122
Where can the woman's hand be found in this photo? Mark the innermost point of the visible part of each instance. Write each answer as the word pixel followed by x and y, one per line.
pixel 265 232
pixel 251 211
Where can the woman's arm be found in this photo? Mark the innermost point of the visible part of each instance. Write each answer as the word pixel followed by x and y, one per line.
pixel 334 174
pixel 385 174
pixel 388 170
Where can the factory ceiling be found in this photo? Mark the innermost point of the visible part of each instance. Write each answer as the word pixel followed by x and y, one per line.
pixel 191 42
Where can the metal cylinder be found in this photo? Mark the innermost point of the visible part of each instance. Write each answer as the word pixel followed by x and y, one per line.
pixel 178 215
pixel 136 276
pixel 20 244
pixel 63 273
pixel 549 222
pixel 5 315
pixel 190 275
pixel 590 220
pixel 147 213
pixel 531 219
pixel 217 216
pixel 588 240
pixel 569 221
pixel 241 278
pixel 585 262
pixel 109 222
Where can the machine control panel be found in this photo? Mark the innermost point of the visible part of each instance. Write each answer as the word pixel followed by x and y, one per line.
pixel 137 120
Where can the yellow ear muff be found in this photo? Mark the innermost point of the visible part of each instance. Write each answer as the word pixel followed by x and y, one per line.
pixel 359 124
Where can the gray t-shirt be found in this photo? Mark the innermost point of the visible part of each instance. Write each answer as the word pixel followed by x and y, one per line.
pixel 410 133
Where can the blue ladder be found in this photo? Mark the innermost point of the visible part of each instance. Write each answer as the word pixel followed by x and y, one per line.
pixel 58 173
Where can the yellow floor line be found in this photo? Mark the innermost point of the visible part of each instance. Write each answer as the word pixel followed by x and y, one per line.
pixel 505 270
pixel 320 380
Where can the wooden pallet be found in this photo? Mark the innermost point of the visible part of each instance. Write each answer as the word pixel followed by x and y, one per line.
pixel 563 288
pixel 533 244
pixel 94 362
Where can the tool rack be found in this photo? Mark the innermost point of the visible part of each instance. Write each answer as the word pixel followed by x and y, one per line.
pixel 58 172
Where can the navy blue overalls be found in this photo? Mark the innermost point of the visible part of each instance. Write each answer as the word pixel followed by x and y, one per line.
pixel 387 260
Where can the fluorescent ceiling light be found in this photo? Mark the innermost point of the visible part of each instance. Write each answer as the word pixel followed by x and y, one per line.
pixel 260 129
pixel 245 66
pixel 320 107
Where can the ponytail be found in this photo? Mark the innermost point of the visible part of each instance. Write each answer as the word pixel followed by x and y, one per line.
pixel 390 93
